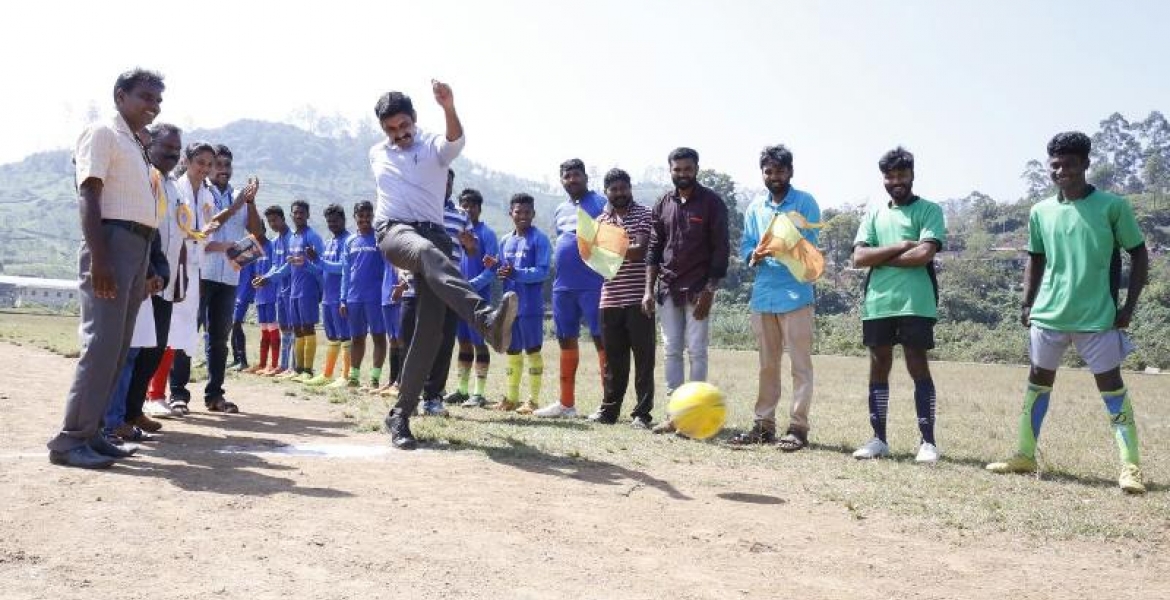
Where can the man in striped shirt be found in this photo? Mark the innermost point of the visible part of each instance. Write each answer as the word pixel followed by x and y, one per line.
pixel 625 327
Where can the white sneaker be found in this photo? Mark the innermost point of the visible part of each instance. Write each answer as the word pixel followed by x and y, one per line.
pixel 927 453
pixel 157 408
pixel 556 410
pixel 874 448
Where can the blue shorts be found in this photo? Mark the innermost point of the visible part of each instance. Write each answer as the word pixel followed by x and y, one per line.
pixel 266 313
pixel 365 317
pixel 468 335
pixel 241 312
pixel 336 328
pixel 284 316
pixel 392 320
pixel 305 311
pixel 570 307
pixel 527 333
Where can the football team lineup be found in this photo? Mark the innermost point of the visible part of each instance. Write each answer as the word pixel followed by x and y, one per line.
pixel 417 277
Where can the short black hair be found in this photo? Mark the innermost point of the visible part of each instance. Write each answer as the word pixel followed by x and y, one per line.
pixel 393 103
pixel 274 210
pixel 224 151
pixel 363 205
pixel 157 130
pixel 471 195
pixel 334 209
pixel 682 153
pixel 301 203
pixel 1070 142
pixel 573 164
pixel 616 175
pixel 133 78
pixel 522 198
pixel 196 148
pixel 778 154
pixel 898 158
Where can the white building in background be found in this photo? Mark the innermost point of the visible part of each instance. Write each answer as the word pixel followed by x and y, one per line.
pixel 19 291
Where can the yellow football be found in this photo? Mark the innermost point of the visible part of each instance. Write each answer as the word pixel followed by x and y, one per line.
pixel 697 410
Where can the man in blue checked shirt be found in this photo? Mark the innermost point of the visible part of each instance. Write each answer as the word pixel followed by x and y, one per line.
pixel 782 306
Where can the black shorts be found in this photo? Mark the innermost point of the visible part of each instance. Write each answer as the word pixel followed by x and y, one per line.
pixel 913 332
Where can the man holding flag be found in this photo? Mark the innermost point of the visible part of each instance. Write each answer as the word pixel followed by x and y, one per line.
pixel 779 241
pixel 615 246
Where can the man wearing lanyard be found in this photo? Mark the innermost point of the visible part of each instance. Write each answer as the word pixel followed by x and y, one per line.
pixel 410 170
pixel 119 218
pixel 217 291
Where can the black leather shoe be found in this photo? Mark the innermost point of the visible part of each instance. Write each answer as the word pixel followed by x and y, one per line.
pixel 398 424
pixel 602 417
pixel 81 457
pixel 102 446
pixel 498 325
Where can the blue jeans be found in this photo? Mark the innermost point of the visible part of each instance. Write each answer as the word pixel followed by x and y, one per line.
pixel 116 411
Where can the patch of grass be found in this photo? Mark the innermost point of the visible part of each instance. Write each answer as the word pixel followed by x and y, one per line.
pixel 978 405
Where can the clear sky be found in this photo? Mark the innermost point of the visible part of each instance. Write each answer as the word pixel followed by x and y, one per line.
pixel 975 89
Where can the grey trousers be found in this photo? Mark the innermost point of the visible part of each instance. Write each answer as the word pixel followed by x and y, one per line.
pixel 424 250
pixel 106 329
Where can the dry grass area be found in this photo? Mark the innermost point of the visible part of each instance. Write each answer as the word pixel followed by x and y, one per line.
pixel 1076 497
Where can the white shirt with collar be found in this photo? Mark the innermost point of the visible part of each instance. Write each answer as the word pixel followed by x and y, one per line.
pixel 412 182
pixel 216 266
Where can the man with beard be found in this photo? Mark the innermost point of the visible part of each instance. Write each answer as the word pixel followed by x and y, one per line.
pixel 237 215
pixel 625 329
pixel 897 242
pixel 1071 298
pixel 119 218
pixel 687 258
pixel 576 287
pixel 410 171
pixel 781 305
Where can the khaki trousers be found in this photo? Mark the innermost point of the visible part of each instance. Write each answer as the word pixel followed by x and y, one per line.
pixel 775 332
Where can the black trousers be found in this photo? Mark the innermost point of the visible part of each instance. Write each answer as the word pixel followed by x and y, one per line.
pixel 148 359
pixel 626 331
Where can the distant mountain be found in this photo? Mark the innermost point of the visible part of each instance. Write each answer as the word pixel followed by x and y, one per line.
pixel 39 230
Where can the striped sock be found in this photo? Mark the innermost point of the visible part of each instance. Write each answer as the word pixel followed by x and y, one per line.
pixel 924 405
pixel 879 405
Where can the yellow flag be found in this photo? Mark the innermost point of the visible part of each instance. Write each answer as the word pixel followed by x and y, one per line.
pixel 602 246
pixel 784 242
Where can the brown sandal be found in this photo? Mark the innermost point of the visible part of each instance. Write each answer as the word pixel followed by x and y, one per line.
pixel 221 405
pixel 793 440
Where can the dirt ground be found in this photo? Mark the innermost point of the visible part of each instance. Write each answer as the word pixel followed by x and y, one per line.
pixel 187 520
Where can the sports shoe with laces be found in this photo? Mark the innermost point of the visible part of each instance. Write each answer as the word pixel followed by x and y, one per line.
pixel 527 407
pixel 433 408
pixel 1131 480
pixel 341 383
pixel 475 401
pixel 755 435
pixel 1016 464
pixel 455 398
pixel 556 410
pixel 874 448
pixel 158 409
pixel 504 405
pixel 303 377
pixel 927 453
pixel 287 374
pixel 600 416
pixel 319 381
pixel 641 423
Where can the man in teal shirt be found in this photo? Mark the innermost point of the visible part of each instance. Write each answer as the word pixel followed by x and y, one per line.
pixel 1071 296
pixel 898 242
pixel 781 305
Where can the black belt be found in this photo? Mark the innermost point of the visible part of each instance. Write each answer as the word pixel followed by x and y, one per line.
pixel 146 231
pixel 417 225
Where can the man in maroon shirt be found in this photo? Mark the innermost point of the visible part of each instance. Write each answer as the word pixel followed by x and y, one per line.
pixel 686 260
